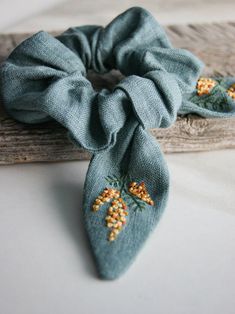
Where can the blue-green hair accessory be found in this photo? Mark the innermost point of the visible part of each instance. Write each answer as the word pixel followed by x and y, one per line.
pixel 127 183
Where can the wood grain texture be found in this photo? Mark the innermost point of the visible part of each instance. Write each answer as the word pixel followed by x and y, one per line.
pixel 213 43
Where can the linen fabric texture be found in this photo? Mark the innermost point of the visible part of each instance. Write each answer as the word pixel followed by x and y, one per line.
pixel 45 78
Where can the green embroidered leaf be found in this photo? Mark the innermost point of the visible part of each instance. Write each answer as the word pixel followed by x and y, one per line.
pixel 113 181
pixel 122 184
pixel 215 101
pixel 134 202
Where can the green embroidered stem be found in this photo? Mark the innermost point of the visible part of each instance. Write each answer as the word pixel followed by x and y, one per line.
pixel 137 203
pixel 122 183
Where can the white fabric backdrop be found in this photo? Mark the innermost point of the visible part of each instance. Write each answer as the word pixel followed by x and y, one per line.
pixel 34 15
pixel 187 266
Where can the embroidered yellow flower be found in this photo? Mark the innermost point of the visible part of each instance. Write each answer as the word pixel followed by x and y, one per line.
pixel 140 191
pixel 205 85
pixel 117 212
pixel 136 196
pixel 116 217
pixel 231 91
pixel 106 196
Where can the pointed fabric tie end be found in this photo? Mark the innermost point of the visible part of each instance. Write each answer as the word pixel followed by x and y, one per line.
pixel 127 183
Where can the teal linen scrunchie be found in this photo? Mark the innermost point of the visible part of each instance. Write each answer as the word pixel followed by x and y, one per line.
pixel 127 182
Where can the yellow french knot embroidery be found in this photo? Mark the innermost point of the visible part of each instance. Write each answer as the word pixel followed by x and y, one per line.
pixel 231 91
pixel 118 210
pixel 205 85
pixel 140 191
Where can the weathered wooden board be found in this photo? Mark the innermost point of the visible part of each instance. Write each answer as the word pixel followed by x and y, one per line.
pixel 213 43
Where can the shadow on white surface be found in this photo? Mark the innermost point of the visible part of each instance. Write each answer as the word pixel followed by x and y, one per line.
pixel 68 205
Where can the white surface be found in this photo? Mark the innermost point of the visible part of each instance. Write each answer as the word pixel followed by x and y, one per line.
pixel 186 267
pixel 17 12
pixel 79 12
